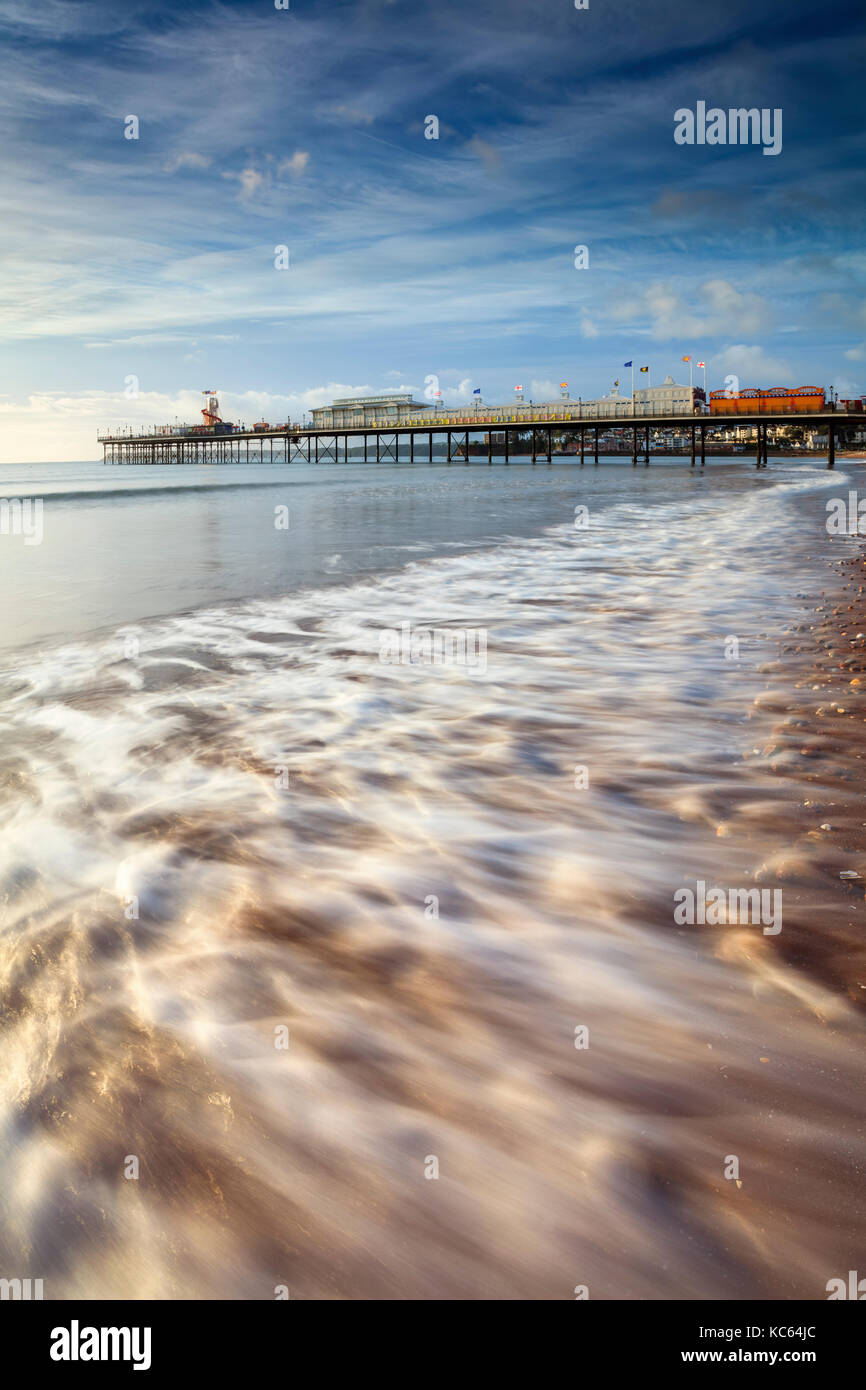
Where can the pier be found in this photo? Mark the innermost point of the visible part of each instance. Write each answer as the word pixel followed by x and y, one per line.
pixel 413 441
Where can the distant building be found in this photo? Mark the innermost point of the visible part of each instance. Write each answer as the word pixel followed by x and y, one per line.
pixel 668 399
pixel 355 411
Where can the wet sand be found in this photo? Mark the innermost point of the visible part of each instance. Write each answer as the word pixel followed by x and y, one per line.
pixel 816 754
pixel 421 1039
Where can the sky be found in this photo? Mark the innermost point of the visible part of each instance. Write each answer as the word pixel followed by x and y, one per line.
pixel 139 272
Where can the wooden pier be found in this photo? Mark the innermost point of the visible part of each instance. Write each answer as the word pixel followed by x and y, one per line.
pixel 414 443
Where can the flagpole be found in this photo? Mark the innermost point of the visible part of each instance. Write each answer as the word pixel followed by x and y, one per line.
pixel 632 386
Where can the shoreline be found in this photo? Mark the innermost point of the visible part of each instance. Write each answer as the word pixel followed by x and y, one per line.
pixel 816 752
pixel 433 908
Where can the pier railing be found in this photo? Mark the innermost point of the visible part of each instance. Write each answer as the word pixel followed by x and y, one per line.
pixel 435 419
pixel 563 415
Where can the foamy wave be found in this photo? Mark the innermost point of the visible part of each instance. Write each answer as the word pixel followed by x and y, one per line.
pixel 239 820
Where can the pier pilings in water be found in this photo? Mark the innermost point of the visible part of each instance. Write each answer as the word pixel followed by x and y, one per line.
pixel 294 445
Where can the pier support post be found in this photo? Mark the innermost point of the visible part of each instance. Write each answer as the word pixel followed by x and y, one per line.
pixel 549 453
pixel 489 446
pixel 831 446
pixel 533 445
pixel 582 433
pixel 759 444
pixel 411 446
pixel 646 447
pixel 634 446
pixel 692 464
pixel 506 443
pixel 596 446
pixel 703 445
pixel 466 447
pixel 430 442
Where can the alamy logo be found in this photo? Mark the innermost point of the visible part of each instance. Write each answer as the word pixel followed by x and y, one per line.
pixel 21 1289
pixel 434 646
pixel 76 1343
pixel 22 516
pixel 737 126
pixel 846 520
pixel 732 906
pixel 855 1289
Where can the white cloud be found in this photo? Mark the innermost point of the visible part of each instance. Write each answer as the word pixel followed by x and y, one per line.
pixel 846 389
pixel 59 426
pixel 543 390
pixel 297 164
pixel 355 115
pixel 251 181
pixel 712 308
pixel 752 365
pixel 143 340
pixel 487 153
pixel 461 394
pixel 190 159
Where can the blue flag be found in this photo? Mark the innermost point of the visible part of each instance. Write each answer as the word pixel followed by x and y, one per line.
pixel 627 364
pixel 477 391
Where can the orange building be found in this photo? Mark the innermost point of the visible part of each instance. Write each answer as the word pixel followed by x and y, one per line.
pixel 776 400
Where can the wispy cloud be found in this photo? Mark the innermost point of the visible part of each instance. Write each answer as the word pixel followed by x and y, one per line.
pixel 752 365
pixel 354 115
pixel 189 159
pixel 297 164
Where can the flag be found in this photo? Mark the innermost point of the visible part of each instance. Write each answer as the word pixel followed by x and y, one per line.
pixel 564 385
pixel 616 383
pixel 644 369
pixel 477 391
pixel 518 388
pixel 687 359
pixel 702 364
pixel 628 364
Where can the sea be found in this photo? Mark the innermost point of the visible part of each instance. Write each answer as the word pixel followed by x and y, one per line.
pixel 344 810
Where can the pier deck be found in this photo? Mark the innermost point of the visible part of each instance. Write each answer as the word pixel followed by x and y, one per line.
pixel 392 443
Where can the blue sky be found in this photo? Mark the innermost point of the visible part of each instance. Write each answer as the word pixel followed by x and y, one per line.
pixel 259 127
